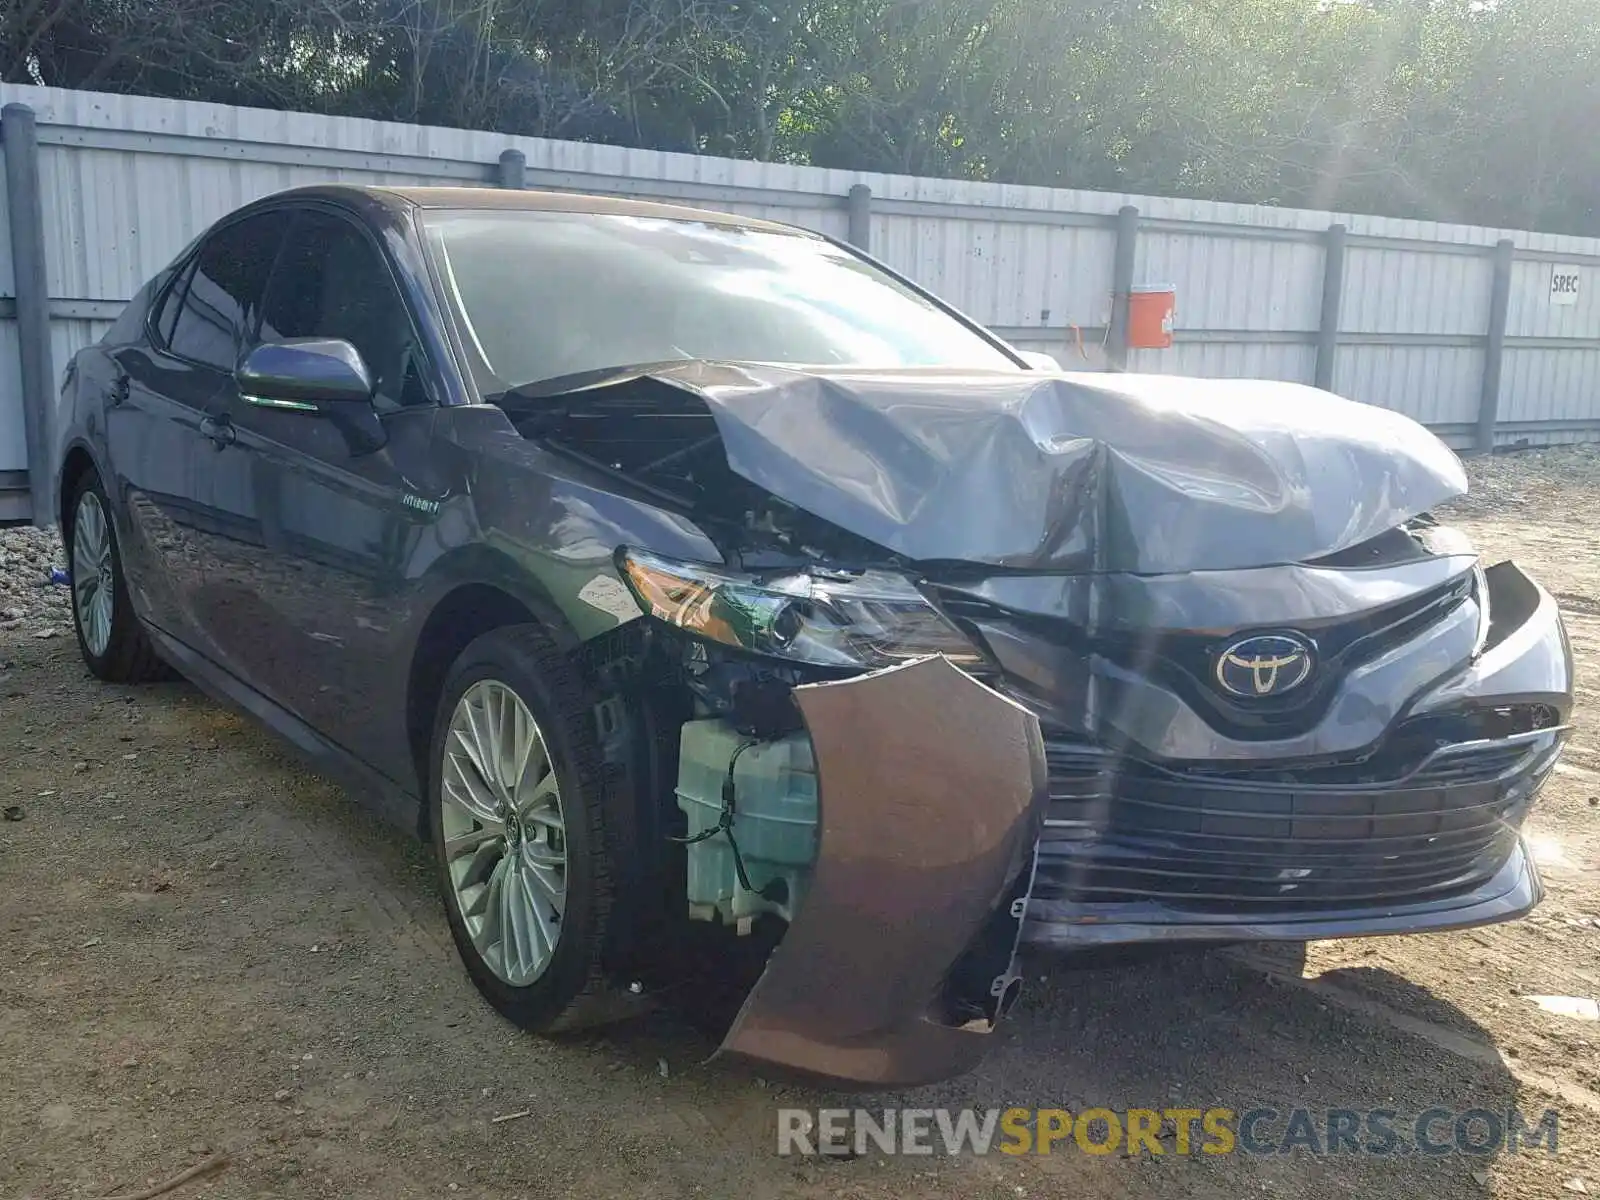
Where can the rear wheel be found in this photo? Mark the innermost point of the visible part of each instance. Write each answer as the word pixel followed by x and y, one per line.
pixel 114 645
pixel 518 800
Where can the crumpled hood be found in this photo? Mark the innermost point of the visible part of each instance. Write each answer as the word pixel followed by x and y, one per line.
pixel 1072 472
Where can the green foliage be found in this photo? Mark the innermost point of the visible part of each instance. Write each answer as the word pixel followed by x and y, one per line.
pixel 1473 110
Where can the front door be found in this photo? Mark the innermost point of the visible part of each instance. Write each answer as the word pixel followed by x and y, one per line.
pixel 313 621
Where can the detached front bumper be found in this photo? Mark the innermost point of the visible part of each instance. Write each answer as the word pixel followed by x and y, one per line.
pixel 900 961
pixel 1137 852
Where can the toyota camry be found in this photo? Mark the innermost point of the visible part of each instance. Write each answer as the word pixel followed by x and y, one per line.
pixel 688 580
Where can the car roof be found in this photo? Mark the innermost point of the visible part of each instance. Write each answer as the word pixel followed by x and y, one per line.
pixel 492 199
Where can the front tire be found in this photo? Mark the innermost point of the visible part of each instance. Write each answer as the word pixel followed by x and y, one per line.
pixel 114 645
pixel 518 799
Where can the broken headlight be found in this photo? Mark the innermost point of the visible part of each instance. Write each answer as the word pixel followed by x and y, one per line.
pixel 869 619
pixel 1480 592
pixel 1443 540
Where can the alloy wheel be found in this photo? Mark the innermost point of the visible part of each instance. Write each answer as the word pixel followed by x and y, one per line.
pixel 93 573
pixel 504 833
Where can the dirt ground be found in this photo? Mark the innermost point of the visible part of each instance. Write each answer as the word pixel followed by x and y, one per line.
pixel 206 949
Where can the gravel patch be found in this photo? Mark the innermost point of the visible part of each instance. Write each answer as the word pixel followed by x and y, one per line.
pixel 1556 483
pixel 28 600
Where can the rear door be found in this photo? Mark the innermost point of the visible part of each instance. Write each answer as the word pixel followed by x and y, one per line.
pixel 312 620
pixel 166 427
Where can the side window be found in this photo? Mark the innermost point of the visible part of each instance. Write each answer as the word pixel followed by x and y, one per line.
pixel 224 290
pixel 332 282
pixel 171 300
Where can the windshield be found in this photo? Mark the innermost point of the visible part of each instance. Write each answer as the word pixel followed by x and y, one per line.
pixel 540 295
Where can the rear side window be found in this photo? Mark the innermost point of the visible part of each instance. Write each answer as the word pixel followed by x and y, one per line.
pixel 171 300
pixel 223 295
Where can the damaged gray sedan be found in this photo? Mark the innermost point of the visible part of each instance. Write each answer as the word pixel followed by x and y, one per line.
pixel 694 584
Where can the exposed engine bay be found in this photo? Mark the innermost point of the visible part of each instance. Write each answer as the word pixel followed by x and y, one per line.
pixel 661 439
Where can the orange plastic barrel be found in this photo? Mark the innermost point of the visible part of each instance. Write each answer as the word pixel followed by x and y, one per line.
pixel 1150 311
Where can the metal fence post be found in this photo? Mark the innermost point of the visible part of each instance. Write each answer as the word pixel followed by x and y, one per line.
pixel 860 234
pixel 26 209
pixel 1332 302
pixel 1495 345
pixel 513 169
pixel 1122 286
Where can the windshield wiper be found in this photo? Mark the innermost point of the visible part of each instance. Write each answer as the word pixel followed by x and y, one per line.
pixel 637 428
pixel 578 381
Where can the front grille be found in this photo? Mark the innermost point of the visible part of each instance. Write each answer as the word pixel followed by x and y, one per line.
pixel 1183 661
pixel 1482 762
pixel 1120 832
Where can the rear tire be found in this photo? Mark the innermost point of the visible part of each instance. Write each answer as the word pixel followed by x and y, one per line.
pixel 523 853
pixel 114 644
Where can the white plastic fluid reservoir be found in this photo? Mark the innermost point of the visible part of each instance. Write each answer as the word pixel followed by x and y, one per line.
pixel 774 823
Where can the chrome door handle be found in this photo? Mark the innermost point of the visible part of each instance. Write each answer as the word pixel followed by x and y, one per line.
pixel 219 429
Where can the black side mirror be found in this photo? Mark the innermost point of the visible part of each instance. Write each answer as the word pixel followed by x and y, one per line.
pixel 319 377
